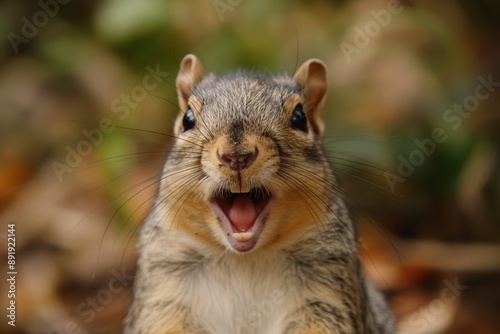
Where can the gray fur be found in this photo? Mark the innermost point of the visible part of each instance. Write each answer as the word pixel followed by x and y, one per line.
pixel 321 283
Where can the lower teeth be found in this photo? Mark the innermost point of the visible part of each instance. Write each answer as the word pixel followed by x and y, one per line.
pixel 242 236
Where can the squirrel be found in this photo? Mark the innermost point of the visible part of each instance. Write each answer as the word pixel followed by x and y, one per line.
pixel 249 233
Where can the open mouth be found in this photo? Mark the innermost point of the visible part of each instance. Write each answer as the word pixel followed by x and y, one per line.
pixel 242 216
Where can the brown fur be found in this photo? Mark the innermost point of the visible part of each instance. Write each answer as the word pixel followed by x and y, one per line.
pixel 304 267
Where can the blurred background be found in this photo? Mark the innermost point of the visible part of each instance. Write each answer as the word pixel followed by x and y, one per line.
pixel 87 95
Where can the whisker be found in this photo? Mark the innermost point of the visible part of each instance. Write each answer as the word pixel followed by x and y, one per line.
pixel 153 210
pixel 351 254
pixel 338 191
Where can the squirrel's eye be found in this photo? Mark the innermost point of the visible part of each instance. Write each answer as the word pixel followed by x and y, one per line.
pixel 299 119
pixel 188 120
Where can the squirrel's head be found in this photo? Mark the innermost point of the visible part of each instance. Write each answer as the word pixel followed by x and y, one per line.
pixel 247 169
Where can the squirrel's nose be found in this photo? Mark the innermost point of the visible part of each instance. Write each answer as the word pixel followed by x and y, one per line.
pixel 237 160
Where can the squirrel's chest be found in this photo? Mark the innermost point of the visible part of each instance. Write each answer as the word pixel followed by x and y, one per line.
pixel 241 298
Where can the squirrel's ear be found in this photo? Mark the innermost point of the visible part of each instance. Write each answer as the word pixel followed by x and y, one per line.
pixel 311 77
pixel 191 72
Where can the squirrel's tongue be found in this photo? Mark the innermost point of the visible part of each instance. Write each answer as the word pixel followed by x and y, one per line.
pixel 242 213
